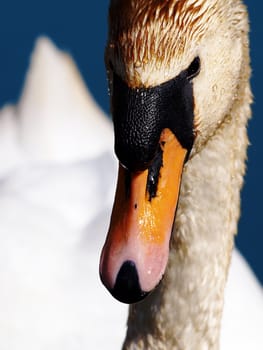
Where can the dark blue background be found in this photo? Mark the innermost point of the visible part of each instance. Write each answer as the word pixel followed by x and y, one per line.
pixel 81 29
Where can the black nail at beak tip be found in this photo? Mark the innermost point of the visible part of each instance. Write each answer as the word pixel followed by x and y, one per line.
pixel 127 286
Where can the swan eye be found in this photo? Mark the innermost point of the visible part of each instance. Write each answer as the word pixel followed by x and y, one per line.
pixel 110 65
pixel 194 68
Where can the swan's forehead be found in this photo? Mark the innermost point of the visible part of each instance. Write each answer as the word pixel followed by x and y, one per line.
pixel 151 41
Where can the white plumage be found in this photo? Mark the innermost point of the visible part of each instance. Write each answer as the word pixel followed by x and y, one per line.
pixel 56 189
pixel 149 44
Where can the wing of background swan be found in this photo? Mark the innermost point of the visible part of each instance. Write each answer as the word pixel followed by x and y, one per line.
pixel 243 311
pixel 57 175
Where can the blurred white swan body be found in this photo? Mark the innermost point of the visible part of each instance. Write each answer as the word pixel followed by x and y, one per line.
pixel 57 179
pixel 55 149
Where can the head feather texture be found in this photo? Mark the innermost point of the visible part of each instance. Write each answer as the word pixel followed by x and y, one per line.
pixel 150 35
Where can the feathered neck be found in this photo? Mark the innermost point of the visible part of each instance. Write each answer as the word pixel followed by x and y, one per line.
pixel 185 311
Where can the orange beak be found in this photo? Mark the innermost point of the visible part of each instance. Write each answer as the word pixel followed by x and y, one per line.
pixel 136 250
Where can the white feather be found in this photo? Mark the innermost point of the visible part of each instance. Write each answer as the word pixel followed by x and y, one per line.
pixel 57 178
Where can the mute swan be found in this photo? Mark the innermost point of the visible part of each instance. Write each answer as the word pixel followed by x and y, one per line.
pixel 180 96
pixel 50 295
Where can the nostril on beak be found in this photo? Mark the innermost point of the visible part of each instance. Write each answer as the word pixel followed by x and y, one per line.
pixel 127 286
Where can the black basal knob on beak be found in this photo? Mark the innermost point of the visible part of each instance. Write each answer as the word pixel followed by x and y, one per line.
pixel 141 114
pixel 137 126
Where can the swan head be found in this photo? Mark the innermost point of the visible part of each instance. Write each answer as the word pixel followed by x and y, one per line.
pixel 174 70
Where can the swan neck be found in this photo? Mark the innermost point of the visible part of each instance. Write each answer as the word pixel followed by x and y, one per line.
pixel 185 311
